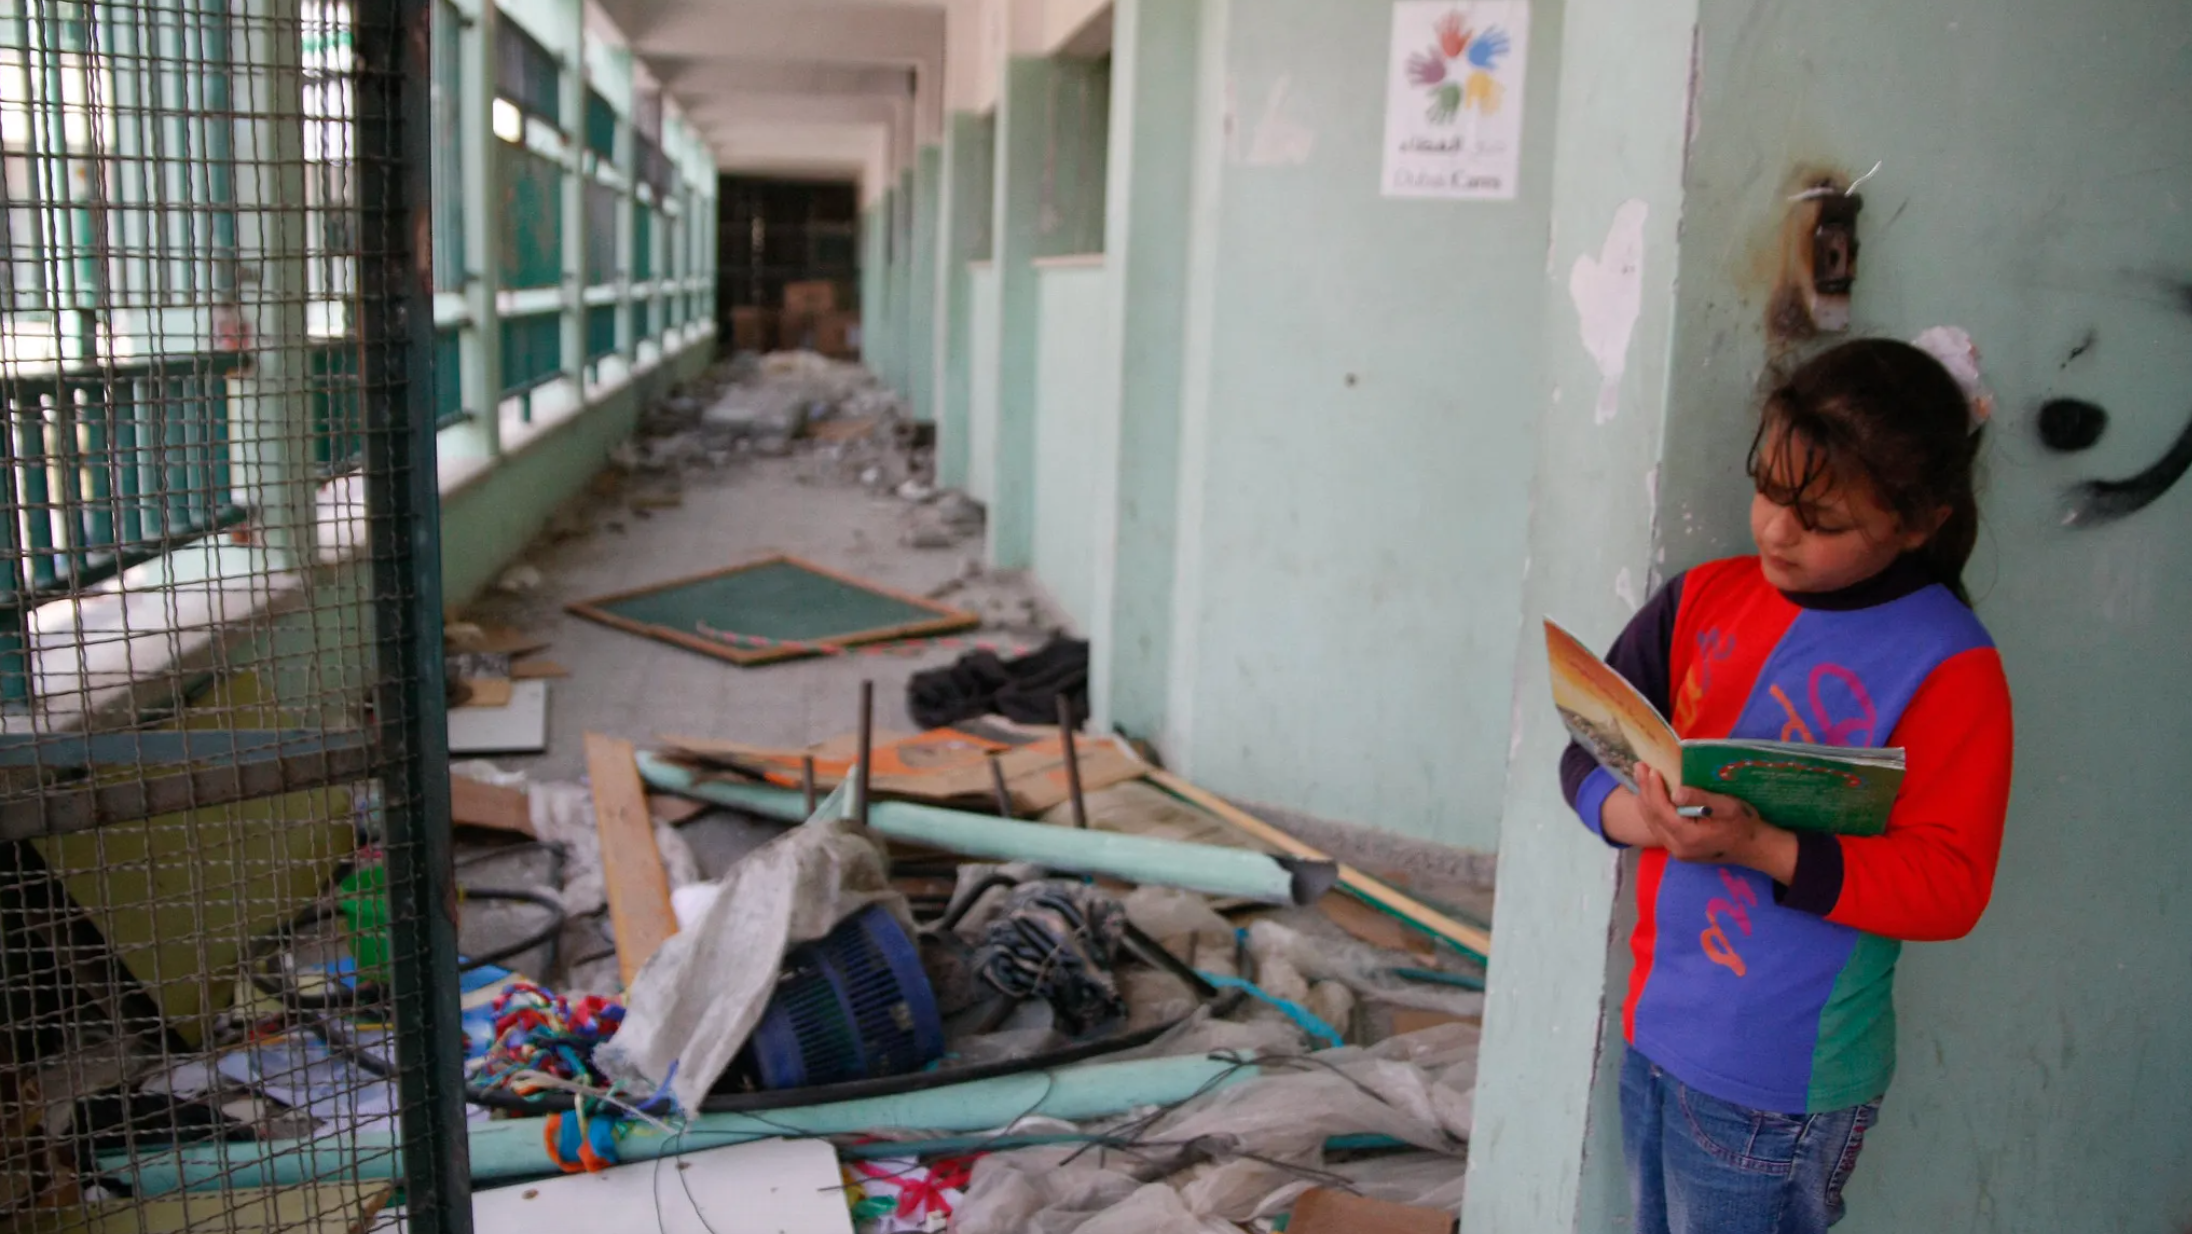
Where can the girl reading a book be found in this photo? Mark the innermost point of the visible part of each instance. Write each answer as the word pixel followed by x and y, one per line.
pixel 1760 1017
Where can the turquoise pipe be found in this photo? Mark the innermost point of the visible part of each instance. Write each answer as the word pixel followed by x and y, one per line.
pixel 513 1148
pixel 1234 873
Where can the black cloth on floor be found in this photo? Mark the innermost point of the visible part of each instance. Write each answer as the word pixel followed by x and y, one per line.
pixel 982 683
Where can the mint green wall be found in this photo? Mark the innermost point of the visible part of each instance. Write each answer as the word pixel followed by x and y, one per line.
pixel 965 210
pixel 1358 451
pixel 985 293
pixel 1022 151
pixel 489 521
pixel 921 304
pixel 2032 184
pixel 1076 107
pixel 1546 1153
pixel 875 284
pixel 1077 406
pixel 1154 129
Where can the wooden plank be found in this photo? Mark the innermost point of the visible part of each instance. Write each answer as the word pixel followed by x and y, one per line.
pixel 1323 1211
pixel 487 691
pixel 535 670
pixel 324 1208
pixel 473 803
pixel 631 865
pixel 766 1187
pixel 674 810
pixel 1372 926
pixel 1398 902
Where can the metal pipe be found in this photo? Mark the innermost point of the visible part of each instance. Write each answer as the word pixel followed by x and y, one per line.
pixel 1212 870
pixel 513 1148
pixel 867 747
pixel 997 786
pixel 1073 763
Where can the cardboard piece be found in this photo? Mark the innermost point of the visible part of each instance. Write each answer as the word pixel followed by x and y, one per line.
pixel 942 766
pixel 810 298
pixel 486 691
pixel 631 865
pixel 1324 1211
pixel 325 1208
pixel 493 640
pixel 674 810
pixel 520 728
pixel 1415 1019
pixel 1372 926
pixel 473 803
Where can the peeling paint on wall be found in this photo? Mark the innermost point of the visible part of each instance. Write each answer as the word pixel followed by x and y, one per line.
pixel 1608 291
pixel 1625 589
pixel 1279 141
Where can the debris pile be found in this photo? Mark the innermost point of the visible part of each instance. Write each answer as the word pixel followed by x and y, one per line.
pixel 1001 974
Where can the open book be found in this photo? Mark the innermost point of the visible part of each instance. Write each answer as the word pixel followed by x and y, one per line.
pixel 1801 787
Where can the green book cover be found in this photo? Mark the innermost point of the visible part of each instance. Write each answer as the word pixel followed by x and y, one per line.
pixel 1799 787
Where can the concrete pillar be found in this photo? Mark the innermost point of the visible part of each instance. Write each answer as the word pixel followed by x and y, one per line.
pixel 966 174
pixel 479 344
pixel 271 400
pixel 1021 142
pixel 921 315
pixel 1155 80
pixel 1546 1154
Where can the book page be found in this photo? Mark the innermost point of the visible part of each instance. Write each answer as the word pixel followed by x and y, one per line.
pixel 1606 714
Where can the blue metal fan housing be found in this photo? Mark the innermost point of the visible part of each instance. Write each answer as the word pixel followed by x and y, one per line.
pixel 853 1006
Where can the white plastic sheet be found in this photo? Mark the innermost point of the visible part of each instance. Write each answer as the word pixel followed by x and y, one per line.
pixel 1246 1152
pixel 699 997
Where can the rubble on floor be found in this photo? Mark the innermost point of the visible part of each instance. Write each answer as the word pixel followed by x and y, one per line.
pixel 1000 974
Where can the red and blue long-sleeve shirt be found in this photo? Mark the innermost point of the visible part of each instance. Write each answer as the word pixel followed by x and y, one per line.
pixel 1781 997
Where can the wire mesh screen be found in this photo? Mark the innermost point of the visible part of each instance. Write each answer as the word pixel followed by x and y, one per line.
pixel 227 970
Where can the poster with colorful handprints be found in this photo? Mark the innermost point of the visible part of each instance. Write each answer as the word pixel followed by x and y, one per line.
pixel 1453 108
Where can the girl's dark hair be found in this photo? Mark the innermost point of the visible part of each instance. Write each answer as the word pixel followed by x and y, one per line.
pixel 1886 414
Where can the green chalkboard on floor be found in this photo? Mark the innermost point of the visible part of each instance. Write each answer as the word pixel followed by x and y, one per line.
pixel 777 608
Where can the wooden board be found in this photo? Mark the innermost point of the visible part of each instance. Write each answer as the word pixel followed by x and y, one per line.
pixel 473 803
pixel 486 691
pixel 325 1208
pixel 674 810
pixel 766 1187
pixel 536 670
pixel 519 728
pixel 1406 906
pixel 781 600
pixel 631 865
pixel 1322 1211
pixel 1372 926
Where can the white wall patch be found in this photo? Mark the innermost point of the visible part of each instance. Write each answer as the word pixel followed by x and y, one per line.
pixel 1625 589
pixel 1278 141
pixel 1608 291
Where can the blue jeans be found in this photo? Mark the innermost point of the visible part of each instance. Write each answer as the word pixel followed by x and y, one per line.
pixel 1700 1165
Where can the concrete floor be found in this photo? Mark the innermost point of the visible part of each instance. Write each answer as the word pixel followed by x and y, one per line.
pixel 811 504
pixel 632 687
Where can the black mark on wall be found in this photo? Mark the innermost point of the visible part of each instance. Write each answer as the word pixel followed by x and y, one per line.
pixel 2070 424
pixel 2104 501
pixel 2084 345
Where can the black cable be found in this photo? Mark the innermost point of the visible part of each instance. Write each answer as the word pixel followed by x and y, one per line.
pixel 545 936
